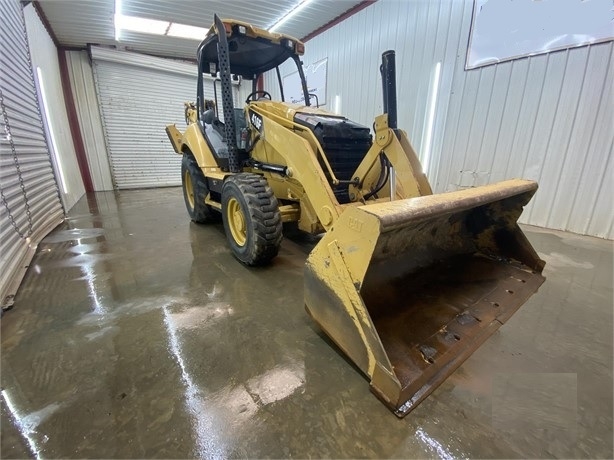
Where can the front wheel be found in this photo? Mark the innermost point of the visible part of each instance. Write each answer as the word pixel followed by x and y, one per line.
pixel 251 217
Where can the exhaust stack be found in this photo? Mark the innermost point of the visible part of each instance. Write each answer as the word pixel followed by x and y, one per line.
pixel 389 86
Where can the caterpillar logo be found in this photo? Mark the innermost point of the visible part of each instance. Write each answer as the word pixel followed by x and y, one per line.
pixel 256 121
pixel 355 224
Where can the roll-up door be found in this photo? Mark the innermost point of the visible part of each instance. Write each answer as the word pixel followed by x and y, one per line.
pixel 30 204
pixel 138 96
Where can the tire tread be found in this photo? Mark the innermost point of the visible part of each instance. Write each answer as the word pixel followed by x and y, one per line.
pixel 264 215
pixel 201 213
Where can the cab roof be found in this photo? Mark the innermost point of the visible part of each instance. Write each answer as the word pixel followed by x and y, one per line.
pixel 252 50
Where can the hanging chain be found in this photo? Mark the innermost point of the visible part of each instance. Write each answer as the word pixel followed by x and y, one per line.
pixel 9 137
pixel 7 128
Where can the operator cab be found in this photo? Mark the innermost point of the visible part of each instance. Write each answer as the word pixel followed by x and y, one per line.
pixel 233 48
pixel 251 52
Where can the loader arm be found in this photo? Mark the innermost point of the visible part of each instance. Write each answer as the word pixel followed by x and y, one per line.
pixel 409 180
pixel 277 143
pixel 295 146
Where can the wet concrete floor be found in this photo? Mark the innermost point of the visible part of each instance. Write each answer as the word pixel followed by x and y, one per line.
pixel 136 334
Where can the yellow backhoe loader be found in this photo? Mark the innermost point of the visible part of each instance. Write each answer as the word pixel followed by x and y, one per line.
pixel 408 284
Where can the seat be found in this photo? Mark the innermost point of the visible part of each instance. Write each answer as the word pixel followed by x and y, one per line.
pixel 214 132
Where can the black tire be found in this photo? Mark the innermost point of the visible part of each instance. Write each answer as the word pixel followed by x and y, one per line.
pixel 195 191
pixel 251 217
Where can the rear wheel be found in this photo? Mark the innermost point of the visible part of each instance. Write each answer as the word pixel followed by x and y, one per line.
pixel 195 191
pixel 251 218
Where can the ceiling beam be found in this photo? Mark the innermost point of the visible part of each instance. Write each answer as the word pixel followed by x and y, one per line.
pixel 73 122
pixel 352 11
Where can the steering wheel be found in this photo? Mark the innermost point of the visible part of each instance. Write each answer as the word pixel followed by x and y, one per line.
pixel 252 96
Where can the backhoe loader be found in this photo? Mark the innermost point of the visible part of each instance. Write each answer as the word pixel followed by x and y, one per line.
pixel 406 283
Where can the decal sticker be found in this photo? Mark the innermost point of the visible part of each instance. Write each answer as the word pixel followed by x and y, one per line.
pixel 256 121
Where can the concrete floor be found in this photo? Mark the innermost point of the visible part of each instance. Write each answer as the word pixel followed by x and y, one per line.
pixel 136 334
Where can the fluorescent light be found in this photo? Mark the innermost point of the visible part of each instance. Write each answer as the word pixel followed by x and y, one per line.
pixel 54 146
pixel 118 13
pixel 185 31
pixel 431 118
pixel 154 27
pixel 144 25
pixel 281 21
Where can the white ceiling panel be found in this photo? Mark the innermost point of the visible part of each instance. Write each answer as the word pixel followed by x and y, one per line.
pixel 315 15
pixel 200 13
pixel 77 23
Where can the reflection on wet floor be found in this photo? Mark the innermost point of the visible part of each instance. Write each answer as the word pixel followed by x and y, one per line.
pixel 136 334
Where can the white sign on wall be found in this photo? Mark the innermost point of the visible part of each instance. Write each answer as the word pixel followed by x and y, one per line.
pixel 315 74
pixel 502 30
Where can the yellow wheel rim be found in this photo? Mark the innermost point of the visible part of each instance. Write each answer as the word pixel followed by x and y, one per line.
pixel 236 221
pixel 189 188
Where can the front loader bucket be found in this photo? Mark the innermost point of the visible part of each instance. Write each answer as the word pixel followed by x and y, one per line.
pixel 409 289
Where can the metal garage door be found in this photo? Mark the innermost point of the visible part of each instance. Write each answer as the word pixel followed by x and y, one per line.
pixel 138 96
pixel 30 204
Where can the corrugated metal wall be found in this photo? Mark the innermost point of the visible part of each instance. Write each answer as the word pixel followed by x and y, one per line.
pixel 45 56
pixel 29 203
pixel 547 117
pixel 86 103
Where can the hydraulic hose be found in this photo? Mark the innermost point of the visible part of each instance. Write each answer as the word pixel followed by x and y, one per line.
pixel 383 176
